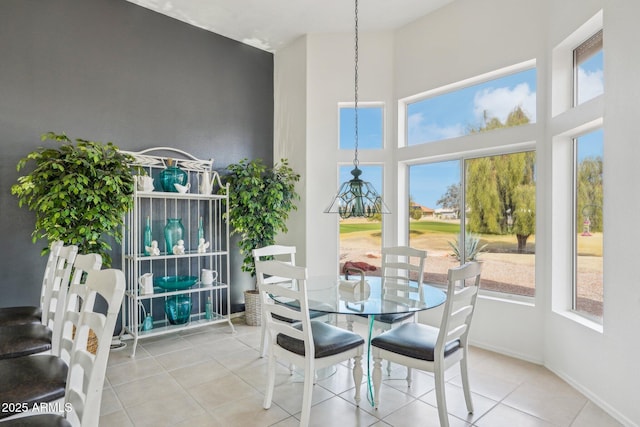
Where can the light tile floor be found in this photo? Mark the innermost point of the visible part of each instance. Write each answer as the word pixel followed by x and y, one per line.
pixel 210 377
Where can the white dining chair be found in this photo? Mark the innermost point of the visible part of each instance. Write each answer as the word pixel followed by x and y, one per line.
pixel 75 379
pixel 280 252
pixel 431 349
pixel 31 338
pixel 303 343
pixel 20 315
pixel 401 266
pixel 285 254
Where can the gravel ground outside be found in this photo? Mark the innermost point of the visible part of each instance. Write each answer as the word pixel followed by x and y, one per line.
pixel 502 272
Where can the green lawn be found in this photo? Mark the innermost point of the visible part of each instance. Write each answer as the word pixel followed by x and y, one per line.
pixel 447 231
pixel 416 227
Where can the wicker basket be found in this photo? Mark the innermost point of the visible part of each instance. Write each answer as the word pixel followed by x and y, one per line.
pixel 252 308
pixel 92 341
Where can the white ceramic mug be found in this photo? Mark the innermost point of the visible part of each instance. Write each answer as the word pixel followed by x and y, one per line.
pixel 208 276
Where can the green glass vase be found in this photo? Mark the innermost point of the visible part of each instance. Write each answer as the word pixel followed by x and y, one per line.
pixel 173 231
pixel 172 175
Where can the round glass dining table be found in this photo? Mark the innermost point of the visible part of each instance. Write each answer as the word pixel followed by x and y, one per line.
pixel 331 294
pixel 337 295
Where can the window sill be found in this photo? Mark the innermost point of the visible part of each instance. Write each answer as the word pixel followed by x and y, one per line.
pixel 581 320
pixel 507 298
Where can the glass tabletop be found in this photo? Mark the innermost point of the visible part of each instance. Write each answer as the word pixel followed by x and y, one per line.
pixel 331 294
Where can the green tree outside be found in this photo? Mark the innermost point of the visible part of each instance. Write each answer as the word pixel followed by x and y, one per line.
pixel 501 189
pixel 590 193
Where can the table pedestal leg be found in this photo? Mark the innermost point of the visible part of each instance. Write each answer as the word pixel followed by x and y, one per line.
pixel 369 383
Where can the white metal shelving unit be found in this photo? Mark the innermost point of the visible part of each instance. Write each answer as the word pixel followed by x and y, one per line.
pixel 158 206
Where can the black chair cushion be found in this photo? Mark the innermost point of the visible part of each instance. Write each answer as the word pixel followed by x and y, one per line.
pixel 296 304
pixel 41 420
pixel 10 316
pixel 23 340
pixel 413 340
pixel 327 339
pixel 390 318
pixel 31 380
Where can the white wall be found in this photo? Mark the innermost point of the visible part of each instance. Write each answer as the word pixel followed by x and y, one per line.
pixel 463 40
pixel 602 364
pixel 289 133
pixel 329 74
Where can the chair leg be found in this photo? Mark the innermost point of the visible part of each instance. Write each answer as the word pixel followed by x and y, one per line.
pixel 263 340
pixel 388 368
pixel 271 380
pixel 349 323
pixel 409 377
pixel 357 377
pixel 377 379
pixel 465 384
pixel 307 394
pixel 441 398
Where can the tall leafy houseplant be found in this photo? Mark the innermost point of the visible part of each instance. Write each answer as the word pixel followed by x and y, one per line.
pixel 79 192
pixel 260 199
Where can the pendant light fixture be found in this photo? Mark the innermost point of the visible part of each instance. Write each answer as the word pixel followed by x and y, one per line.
pixel 356 198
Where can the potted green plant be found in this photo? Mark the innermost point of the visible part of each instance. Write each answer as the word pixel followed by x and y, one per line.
pixel 79 192
pixel 260 200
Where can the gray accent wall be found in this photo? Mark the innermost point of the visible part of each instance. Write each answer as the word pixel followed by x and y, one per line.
pixel 108 70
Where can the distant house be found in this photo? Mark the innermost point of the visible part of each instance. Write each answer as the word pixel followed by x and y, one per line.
pixel 428 212
pixel 446 214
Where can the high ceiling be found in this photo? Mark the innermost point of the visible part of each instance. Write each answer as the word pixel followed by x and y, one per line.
pixel 272 24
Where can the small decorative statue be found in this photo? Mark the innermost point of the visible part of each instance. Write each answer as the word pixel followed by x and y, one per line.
pixel 202 246
pixel 153 249
pixel 179 248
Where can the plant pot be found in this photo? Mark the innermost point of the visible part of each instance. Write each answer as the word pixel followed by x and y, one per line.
pixel 252 308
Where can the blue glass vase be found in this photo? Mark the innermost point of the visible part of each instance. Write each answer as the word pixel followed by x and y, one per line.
pixel 147 237
pixel 178 309
pixel 173 231
pixel 172 175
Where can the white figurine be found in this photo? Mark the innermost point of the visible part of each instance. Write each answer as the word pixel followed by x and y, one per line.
pixel 179 248
pixel 202 246
pixel 153 249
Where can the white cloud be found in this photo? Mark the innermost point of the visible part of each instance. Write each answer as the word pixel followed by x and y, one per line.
pixel 420 132
pixel 590 84
pixel 499 102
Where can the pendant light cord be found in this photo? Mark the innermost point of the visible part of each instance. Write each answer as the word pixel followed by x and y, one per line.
pixel 355 102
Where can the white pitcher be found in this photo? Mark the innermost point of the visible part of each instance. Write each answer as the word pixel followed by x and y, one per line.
pixel 146 284
pixel 206 182
pixel 208 276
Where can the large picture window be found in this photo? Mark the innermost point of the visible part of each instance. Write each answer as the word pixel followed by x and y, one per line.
pixel 499 199
pixel 506 101
pixel 500 196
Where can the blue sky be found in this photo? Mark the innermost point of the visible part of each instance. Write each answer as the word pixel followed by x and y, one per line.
pixel 451 115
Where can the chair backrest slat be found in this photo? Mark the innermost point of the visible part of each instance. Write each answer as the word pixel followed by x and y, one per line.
pixel 282 253
pixel 47 279
pixel 462 292
pixel 400 265
pixel 56 292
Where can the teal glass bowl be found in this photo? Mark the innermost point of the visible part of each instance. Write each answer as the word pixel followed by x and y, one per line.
pixel 175 283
